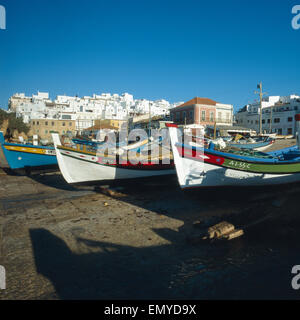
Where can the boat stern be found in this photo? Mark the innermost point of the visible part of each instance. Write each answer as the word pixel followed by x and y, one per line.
pixel 56 139
pixel 1 138
pixel 189 164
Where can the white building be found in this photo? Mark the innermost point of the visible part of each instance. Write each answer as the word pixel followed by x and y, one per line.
pixel 283 115
pixel 85 110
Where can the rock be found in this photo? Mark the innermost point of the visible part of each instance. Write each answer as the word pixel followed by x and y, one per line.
pixel 220 229
pixel 223 230
pixel 234 234
pixel 106 204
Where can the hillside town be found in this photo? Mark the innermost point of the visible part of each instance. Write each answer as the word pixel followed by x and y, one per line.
pixel 75 115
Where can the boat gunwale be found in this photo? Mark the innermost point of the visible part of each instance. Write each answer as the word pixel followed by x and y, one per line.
pixel 138 166
pixel 10 144
pixel 94 154
pixel 276 161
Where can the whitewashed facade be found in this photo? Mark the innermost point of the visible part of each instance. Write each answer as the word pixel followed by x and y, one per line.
pixel 283 115
pixel 85 110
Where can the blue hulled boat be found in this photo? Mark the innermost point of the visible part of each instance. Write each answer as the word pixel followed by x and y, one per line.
pixel 259 144
pixel 27 156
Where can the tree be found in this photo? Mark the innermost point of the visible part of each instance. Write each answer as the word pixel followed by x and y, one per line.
pixel 14 123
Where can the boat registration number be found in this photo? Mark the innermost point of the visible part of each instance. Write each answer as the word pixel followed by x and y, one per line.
pixel 50 152
pixel 241 165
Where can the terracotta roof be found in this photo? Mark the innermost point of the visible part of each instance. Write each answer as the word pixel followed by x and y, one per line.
pixel 198 100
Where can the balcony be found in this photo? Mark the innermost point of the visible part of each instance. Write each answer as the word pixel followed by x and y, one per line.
pixel 205 120
pixel 224 120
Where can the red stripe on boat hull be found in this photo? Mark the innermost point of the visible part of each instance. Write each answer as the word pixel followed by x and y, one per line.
pixel 200 156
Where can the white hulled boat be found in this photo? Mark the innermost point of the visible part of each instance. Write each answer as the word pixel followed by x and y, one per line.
pixel 82 165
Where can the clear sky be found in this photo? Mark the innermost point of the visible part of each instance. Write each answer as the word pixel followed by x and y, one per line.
pixel 153 49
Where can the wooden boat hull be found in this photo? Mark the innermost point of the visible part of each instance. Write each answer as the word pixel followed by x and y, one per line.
pixel 198 167
pixel 232 172
pixel 20 156
pixel 81 167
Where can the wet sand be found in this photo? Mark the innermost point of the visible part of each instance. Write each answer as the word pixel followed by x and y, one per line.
pixel 138 240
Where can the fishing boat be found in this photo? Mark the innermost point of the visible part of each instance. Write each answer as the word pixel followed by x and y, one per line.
pixel 259 144
pixel 87 142
pixel 27 156
pixel 211 167
pixel 83 164
pixel 252 143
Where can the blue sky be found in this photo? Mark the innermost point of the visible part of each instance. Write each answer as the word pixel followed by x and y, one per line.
pixel 153 49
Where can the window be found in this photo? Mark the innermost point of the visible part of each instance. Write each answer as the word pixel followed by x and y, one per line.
pixel 46 131
pixel 37 123
pixel 268 120
pixel 52 123
pixel 211 116
pixel 290 119
pixel 184 115
pixel 63 124
pixel 263 121
pixel 177 116
pixel 46 123
pixel 203 115
pixel 66 117
pixel 33 122
pixel 277 120
pixel 70 124
pixel 279 131
pixel 290 131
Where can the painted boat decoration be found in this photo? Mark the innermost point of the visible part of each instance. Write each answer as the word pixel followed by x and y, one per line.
pixel 20 156
pixel 202 167
pixel 80 165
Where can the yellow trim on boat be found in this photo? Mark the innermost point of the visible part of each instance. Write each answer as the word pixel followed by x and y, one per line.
pixel 76 150
pixel 28 150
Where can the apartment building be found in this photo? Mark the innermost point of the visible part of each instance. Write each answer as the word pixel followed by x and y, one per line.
pixel 278 115
pixel 44 127
pixel 202 111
